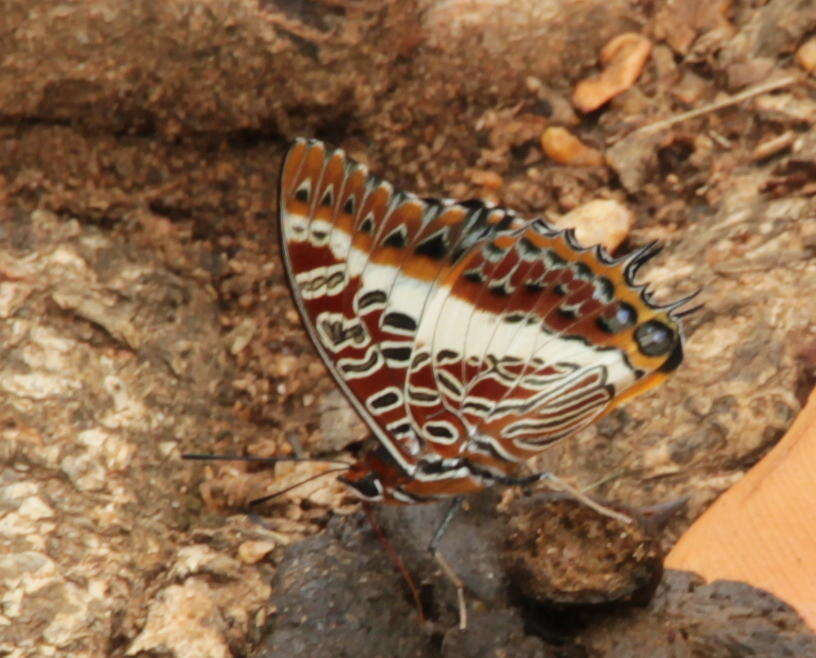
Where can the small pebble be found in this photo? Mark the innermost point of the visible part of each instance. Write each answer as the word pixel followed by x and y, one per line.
pixel 285 365
pixel 251 552
pixel 623 59
pixel 603 221
pixel 565 148
pixel 806 55
pixel 484 178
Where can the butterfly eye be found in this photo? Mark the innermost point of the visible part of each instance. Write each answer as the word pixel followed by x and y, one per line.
pixel 654 338
pixel 369 487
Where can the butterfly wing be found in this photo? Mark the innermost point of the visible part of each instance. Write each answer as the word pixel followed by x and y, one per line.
pixel 360 259
pixel 458 330
pixel 558 335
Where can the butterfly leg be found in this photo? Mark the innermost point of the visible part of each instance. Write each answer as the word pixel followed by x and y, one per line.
pixel 453 508
pixel 395 558
pixel 558 484
pixel 433 549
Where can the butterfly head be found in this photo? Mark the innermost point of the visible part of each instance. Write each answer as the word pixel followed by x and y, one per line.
pixel 374 477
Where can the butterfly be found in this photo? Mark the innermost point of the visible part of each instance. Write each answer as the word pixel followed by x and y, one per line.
pixel 467 338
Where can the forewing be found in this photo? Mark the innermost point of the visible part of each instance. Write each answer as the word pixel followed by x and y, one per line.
pixel 363 261
pixel 330 212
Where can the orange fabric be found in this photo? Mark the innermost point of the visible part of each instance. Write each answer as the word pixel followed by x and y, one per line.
pixel 762 531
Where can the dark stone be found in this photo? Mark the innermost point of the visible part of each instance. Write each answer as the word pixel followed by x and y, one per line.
pixel 723 619
pixel 337 594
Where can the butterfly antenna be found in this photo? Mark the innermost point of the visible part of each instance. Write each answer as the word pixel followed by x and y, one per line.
pixel 259 460
pixel 272 496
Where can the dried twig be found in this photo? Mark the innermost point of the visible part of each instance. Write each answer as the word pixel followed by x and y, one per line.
pixel 756 90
